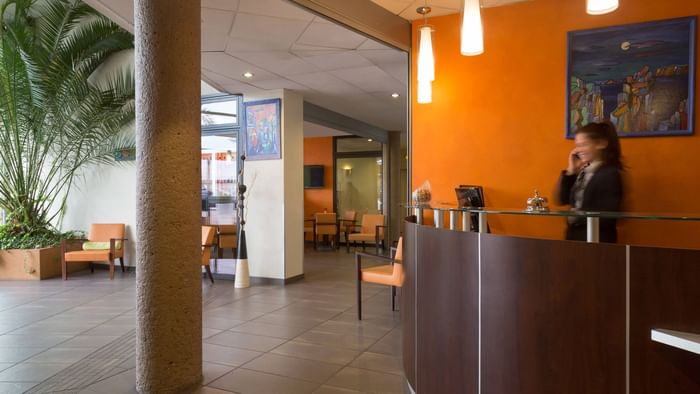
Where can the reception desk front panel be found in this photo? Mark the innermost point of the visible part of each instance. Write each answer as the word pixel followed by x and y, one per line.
pixel 494 314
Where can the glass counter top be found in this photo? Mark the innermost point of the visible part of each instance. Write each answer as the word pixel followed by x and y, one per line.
pixel 444 207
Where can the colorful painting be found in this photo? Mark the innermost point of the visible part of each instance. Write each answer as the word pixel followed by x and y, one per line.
pixel 125 155
pixel 639 77
pixel 263 130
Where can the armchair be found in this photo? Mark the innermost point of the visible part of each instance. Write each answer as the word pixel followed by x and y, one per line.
pixel 208 233
pixel 310 227
pixel 105 242
pixel 326 224
pixel 391 274
pixel 349 219
pixel 226 238
pixel 371 229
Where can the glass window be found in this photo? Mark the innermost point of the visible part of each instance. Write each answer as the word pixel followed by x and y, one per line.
pixel 220 110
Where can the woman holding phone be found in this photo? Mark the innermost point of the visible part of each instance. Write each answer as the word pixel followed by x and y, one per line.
pixel 592 180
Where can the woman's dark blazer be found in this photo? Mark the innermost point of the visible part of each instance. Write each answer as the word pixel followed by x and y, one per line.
pixel 603 193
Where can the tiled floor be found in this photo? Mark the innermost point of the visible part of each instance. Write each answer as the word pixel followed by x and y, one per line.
pixel 299 338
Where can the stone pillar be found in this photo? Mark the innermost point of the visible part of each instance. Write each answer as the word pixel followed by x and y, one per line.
pixel 168 275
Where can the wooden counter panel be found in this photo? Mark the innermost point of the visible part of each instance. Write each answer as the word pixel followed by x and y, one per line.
pixel 447 311
pixel 664 293
pixel 553 316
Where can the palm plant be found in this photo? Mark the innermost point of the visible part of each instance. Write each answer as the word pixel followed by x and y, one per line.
pixel 56 114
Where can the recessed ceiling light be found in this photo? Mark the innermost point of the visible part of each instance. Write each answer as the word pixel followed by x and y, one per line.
pixel 248 74
pixel 369 140
pixel 394 95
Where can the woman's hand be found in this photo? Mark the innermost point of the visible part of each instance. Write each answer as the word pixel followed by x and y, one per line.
pixel 575 163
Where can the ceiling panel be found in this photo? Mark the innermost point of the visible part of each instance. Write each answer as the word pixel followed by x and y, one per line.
pixel 326 84
pixel 232 67
pixel 407 8
pixel 267 32
pixel 279 62
pixel 337 61
pixel 369 79
pixel 217 20
pixel 276 8
pixel 330 36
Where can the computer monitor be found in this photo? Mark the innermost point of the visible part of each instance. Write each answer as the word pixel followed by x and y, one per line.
pixel 471 196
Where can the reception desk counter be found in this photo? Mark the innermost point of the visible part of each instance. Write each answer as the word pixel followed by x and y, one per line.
pixel 495 314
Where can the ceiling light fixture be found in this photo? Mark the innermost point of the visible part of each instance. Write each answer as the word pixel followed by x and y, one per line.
pixel 369 140
pixel 426 59
pixel 248 74
pixel 472 42
pixel 600 7
pixel 395 95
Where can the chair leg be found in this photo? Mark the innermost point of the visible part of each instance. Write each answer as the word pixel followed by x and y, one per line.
pixel 393 298
pixel 111 269
pixel 359 288
pixel 208 269
pixel 63 268
pixel 92 267
pixel 363 246
pixel 376 247
pixel 121 262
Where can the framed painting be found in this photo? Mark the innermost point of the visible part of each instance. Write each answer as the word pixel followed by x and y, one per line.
pixel 263 130
pixel 640 77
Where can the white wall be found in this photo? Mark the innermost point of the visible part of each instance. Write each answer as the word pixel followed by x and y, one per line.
pixel 275 203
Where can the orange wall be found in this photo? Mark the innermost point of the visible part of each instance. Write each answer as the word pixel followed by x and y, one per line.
pixel 319 151
pixel 498 120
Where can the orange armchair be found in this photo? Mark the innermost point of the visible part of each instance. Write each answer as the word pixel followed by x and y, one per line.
pixel 105 242
pixel 226 237
pixel 326 224
pixel 208 233
pixel 371 229
pixel 391 274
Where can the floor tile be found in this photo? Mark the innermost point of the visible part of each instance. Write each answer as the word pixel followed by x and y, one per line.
pixel 289 320
pixel 367 381
pixel 32 340
pixel 18 354
pixel 30 372
pixel 292 367
pixel 227 355
pixel 353 342
pixel 251 382
pixel 15 388
pixel 212 371
pixel 220 323
pixel 352 328
pixel 269 330
pixel 312 351
pixel 124 383
pixel 88 341
pixel 208 332
pixel 245 341
pixel 60 355
pixel 379 362
pixel 334 390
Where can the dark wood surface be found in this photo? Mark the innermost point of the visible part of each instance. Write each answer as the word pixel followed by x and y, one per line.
pixel 664 293
pixel 553 316
pixel 408 303
pixel 447 297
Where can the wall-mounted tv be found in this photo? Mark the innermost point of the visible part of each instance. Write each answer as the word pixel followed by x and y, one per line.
pixel 313 177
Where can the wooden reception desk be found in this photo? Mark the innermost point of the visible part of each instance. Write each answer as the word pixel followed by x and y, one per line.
pixel 494 314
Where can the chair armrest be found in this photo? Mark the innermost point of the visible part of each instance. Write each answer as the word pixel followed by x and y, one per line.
pixel 66 242
pixel 373 256
pixel 310 220
pixel 207 245
pixel 376 230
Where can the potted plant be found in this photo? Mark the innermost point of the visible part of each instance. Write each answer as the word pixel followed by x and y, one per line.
pixel 59 112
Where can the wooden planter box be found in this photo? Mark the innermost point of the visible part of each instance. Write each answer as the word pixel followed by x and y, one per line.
pixel 33 264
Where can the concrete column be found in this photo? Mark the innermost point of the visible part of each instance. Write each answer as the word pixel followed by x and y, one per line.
pixel 169 280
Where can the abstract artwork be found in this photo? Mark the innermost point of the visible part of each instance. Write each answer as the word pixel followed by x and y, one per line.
pixel 263 130
pixel 640 77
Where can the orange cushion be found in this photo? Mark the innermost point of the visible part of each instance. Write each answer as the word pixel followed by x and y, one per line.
pixel 362 237
pixel 227 241
pixel 92 255
pixel 382 274
pixel 103 232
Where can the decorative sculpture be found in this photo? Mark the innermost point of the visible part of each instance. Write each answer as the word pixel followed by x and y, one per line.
pixel 242 270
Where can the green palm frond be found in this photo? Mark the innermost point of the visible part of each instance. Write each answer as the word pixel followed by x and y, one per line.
pixel 54 120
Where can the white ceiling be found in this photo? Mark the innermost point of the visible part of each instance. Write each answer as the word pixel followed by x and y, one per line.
pixel 288 47
pixel 407 8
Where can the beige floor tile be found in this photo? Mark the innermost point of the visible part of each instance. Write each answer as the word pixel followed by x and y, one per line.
pixel 316 352
pixel 292 367
pixel 60 355
pixel 15 388
pixel 269 330
pixel 212 371
pixel 334 390
pixel 220 323
pixel 367 381
pixel 245 341
pixel 30 372
pixel 227 355
pixel 18 354
pixel 251 382
pixel 357 328
pixel 353 342
pixel 289 320
pixel 379 362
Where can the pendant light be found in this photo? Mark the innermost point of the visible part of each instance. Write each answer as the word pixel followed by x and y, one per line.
pixel 426 59
pixel 472 42
pixel 600 7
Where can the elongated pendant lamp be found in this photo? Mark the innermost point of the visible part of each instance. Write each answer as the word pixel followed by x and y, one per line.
pixel 472 40
pixel 426 60
pixel 600 7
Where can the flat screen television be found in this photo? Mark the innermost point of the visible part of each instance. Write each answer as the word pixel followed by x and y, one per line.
pixel 313 177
